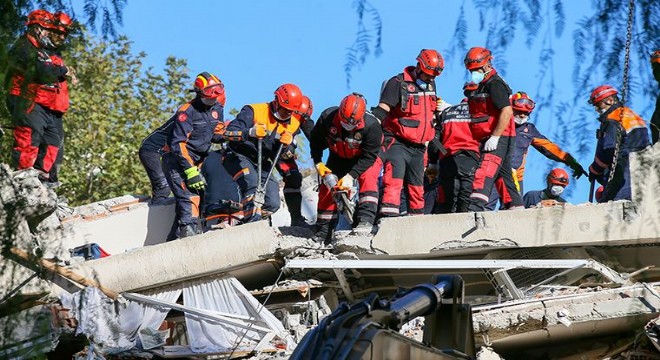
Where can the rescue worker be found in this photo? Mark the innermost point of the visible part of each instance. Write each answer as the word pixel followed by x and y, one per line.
pixel 556 182
pixel 528 135
pixel 38 94
pixel 154 146
pixel 621 128
pixel 353 137
pixel 492 125
pixel 195 125
pixel 406 109
pixel 274 125
pixel 288 167
pixel 655 120
pixel 457 166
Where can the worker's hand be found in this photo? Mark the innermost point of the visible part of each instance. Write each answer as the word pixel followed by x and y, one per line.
pixel 286 138
pixel 346 183
pixel 441 105
pixel 258 131
pixel 578 170
pixel 491 143
pixel 219 128
pixel 432 172
pixel 594 177
pixel 322 169
pixel 194 179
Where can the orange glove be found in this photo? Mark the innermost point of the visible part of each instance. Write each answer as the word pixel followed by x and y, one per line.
pixel 219 128
pixel 322 169
pixel 286 138
pixel 258 131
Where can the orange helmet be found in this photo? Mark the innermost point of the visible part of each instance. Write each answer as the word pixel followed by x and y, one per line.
pixel 289 97
pixel 62 21
pixel 477 57
pixel 208 85
pixel 42 18
pixel 306 107
pixel 352 109
pixel 430 62
pixel 520 101
pixel 600 93
pixel 655 57
pixel 558 177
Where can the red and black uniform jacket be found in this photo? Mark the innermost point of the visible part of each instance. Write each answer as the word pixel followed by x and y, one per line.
pixel 37 75
pixel 195 127
pixel 412 108
pixel 362 143
pixel 486 104
pixel 453 131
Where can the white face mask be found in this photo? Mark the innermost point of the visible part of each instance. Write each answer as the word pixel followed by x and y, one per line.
pixel 520 119
pixel 348 127
pixel 556 190
pixel 601 111
pixel 477 76
pixel 208 101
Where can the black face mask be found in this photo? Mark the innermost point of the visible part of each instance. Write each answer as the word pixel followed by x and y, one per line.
pixel 656 71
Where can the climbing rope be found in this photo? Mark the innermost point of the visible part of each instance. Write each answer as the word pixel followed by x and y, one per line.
pixel 624 92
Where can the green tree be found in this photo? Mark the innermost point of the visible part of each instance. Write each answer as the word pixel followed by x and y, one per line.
pixel 114 107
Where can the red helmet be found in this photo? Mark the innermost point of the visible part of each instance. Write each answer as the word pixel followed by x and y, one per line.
pixel 42 18
pixel 520 101
pixel 352 109
pixel 306 107
pixel 558 177
pixel 430 62
pixel 208 85
pixel 289 97
pixel 62 21
pixel 601 93
pixel 477 57
pixel 655 57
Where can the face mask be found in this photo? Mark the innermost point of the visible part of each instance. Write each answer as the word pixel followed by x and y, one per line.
pixel 279 117
pixel 477 76
pixel 208 101
pixel 519 119
pixel 556 190
pixel 44 39
pixel 422 85
pixel 348 127
pixel 601 111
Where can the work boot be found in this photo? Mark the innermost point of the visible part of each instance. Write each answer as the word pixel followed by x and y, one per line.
pixel 300 222
pixel 322 234
pixel 187 230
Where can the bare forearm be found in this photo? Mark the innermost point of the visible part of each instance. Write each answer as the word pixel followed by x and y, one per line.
pixel 503 121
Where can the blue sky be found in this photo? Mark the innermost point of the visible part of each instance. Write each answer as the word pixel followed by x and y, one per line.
pixel 254 46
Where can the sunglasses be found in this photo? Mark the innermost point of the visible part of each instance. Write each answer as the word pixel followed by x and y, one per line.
pixel 213 90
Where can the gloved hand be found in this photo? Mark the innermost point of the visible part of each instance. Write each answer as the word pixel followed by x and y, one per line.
pixel 346 183
pixel 194 179
pixel 432 172
pixel 441 105
pixel 322 169
pixel 491 143
pixel 258 131
pixel 594 177
pixel 286 138
pixel 578 170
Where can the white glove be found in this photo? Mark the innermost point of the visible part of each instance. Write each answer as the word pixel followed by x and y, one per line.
pixel 346 182
pixel 491 143
pixel 441 105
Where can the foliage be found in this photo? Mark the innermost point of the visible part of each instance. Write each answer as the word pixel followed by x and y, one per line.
pixel 115 105
pixel 368 36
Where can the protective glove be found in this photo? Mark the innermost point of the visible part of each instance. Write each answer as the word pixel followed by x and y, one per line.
pixel 258 131
pixel 578 170
pixel 322 169
pixel 346 183
pixel 441 105
pixel 286 138
pixel 194 179
pixel 432 172
pixel 491 143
